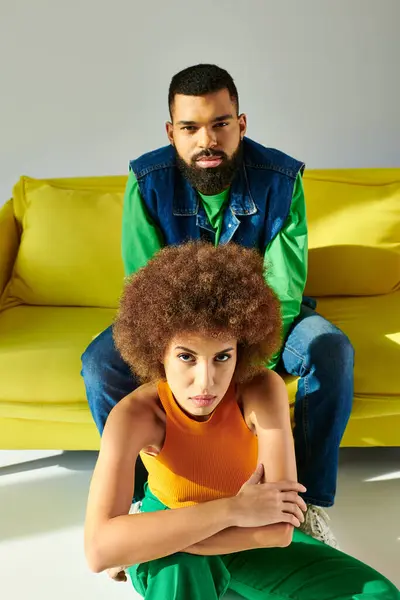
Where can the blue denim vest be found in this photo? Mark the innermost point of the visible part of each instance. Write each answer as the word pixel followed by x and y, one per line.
pixel 259 201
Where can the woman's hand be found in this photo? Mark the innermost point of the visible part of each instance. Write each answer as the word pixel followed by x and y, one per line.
pixel 117 574
pixel 258 504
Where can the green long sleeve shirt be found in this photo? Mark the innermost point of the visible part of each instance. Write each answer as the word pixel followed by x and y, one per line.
pixel 285 256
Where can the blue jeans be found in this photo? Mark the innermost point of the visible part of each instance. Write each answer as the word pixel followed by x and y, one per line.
pixel 315 350
pixel 323 357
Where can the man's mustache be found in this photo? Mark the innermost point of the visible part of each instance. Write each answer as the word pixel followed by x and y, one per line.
pixel 208 153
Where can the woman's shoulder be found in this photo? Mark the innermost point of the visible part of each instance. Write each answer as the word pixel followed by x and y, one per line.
pixel 264 381
pixel 142 402
pixel 262 393
pixel 143 394
pixel 135 421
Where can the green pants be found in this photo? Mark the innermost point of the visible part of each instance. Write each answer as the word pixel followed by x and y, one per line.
pixel 306 570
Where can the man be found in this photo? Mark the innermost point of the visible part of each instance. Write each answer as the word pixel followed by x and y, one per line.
pixel 213 183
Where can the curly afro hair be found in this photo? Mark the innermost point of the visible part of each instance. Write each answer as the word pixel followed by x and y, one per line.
pixel 196 288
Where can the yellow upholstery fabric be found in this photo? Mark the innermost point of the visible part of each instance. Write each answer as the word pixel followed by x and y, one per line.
pixel 373 326
pixel 29 434
pixel 65 277
pixel 42 396
pixel 40 350
pixel 9 240
pixel 101 185
pixel 354 232
pixel 70 247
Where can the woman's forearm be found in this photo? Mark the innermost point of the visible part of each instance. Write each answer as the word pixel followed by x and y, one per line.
pixel 132 539
pixel 238 539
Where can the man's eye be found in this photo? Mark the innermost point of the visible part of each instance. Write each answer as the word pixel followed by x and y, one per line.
pixel 221 124
pixel 186 357
pixel 222 357
pixel 190 128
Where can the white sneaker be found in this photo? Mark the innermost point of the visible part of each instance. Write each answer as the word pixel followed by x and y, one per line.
pixel 316 525
pixel 135 508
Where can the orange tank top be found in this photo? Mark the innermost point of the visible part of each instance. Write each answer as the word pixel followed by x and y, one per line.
pixel 201 460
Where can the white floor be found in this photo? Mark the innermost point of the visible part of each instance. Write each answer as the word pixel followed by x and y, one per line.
pixel 42 506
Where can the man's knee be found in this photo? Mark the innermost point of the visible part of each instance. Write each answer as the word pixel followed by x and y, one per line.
pixel 332 361
pixel 331 358
pixel 315 343
pixel 334 346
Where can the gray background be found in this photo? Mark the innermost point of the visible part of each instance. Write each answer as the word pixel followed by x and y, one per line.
pixel 84 83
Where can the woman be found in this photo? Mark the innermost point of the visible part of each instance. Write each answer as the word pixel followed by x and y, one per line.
pixel 222 505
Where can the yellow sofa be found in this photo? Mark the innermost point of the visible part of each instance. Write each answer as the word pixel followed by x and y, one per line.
pixel 61 276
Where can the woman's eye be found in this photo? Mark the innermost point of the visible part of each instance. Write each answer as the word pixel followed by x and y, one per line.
pixel 222 357
pixel 185 357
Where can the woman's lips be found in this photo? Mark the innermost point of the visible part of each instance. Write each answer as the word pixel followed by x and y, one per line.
pixel 204 163
pixel 201 401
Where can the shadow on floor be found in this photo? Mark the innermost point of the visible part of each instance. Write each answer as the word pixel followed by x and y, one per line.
pixel 75 461
pixel 44 495
pixel 49 494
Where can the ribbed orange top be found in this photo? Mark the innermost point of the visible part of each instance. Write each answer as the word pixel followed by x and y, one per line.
pixel 201 460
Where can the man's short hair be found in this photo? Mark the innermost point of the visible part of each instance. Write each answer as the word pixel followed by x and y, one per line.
pixel 200 80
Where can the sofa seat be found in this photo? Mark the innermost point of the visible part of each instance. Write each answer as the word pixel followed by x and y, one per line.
pixel 40 349
pixel 373 325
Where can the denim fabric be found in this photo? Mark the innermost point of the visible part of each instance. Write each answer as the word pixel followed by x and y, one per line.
pixel 323 357
pixel 259 201
pixel 315 350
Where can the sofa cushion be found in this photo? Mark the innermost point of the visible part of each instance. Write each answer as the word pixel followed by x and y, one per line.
pixel 69 253
pixel 9 242
pixel 70 247
pixel 354 231
pixel 40 350
pixel 373 326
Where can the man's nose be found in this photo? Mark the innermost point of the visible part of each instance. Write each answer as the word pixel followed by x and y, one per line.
pixel 207 138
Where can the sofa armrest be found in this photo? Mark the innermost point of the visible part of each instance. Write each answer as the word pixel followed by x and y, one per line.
pixel 9 243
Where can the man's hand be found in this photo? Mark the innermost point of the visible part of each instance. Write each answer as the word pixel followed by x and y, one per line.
pixel 117 574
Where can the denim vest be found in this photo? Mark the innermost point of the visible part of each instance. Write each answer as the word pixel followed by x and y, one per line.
pixel 259 200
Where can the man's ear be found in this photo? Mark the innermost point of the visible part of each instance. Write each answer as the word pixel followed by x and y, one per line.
pixel 169 128
pixel 242 125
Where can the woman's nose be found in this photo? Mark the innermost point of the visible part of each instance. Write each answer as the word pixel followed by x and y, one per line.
pixel 205 377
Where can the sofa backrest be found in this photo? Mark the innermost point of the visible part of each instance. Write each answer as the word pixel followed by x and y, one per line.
pixel 354 231
pixel 70 252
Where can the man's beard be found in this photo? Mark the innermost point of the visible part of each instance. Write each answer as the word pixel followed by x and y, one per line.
pixel 211 180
